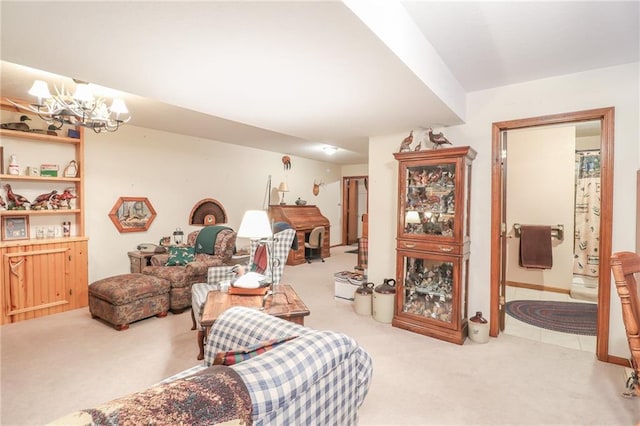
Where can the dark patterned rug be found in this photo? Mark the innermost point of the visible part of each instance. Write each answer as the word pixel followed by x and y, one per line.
pixel 565 317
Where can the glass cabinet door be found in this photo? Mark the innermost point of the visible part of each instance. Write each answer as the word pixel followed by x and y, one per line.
pixel 428 288
pixel 429 199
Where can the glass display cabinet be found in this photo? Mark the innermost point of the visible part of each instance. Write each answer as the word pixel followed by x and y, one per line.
pixel 432 259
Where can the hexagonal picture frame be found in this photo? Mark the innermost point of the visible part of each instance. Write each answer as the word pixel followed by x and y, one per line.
pixel 132 214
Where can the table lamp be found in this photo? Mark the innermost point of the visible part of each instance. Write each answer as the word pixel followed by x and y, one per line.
pixel 255 226
pixel 282 188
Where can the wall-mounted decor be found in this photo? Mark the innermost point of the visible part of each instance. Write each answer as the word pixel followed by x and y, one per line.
pixel 15 228
pixel 132 214
pixel 207 212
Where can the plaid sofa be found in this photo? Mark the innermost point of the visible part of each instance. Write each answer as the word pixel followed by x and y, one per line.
pixel 319 378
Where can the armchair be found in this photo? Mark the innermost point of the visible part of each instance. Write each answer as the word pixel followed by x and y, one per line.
pixel 282 242
pixel 181 277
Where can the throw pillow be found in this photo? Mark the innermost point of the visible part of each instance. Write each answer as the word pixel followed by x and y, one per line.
pixel 243 354
pixel 180 256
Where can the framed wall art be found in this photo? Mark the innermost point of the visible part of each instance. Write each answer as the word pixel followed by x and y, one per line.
pixel 132 214
pixel 15 228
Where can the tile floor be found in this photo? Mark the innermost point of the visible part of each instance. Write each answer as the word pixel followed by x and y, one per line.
pixel 518 328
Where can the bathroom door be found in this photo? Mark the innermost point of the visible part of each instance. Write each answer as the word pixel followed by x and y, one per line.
pixel 600 122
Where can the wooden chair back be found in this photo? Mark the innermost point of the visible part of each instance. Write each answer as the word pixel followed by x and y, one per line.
pixel 625 267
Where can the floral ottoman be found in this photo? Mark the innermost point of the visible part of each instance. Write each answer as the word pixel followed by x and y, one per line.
pixel 123 299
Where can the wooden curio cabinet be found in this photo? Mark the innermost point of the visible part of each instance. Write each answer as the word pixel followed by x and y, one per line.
pixel 432 260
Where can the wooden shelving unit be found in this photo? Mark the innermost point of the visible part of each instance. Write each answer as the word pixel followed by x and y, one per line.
pixel 42 276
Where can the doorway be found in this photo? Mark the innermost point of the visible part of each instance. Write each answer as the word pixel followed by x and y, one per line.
pixel 502 228
pixel 355 205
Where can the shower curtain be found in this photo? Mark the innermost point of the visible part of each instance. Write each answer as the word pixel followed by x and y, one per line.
pixel 587 214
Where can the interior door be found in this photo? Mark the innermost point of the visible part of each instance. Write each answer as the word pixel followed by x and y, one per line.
pixel 604 119
pixel 502 298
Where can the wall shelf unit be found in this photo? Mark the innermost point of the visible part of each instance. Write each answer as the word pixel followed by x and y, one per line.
pixel 42 276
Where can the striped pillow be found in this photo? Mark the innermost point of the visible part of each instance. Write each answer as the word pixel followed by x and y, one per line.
pixel 243 354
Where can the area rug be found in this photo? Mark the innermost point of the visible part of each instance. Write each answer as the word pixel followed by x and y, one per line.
pixel 565 317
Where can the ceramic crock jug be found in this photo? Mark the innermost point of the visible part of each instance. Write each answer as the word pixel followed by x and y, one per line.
pixel 478 328
pixel 384 299
pixel 362 299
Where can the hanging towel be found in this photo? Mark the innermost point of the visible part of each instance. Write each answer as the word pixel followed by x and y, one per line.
pixel 535 247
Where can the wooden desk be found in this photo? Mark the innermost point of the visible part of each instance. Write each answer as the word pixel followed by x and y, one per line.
pixel 285 304
pixel 303 219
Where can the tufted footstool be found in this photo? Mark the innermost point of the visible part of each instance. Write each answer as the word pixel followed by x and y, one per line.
pixel 123 299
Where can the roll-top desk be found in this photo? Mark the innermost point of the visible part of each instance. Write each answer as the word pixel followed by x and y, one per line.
pixel 303 219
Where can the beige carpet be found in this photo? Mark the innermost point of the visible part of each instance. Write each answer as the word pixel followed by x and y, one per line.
pixel 61 363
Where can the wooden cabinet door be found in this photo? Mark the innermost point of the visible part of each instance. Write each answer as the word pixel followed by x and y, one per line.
pixel 43 279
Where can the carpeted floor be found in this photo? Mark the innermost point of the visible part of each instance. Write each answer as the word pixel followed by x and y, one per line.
pixel 355 251
pixel 565 317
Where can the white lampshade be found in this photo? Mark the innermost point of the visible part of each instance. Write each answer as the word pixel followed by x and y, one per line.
pixel 40 90
pixel 83 93
pixel 412 217
pixel 255 224
pixel 283 187
pixel 118 106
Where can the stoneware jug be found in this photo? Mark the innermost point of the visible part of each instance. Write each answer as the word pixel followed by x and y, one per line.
pixel 362 299
pixel 478 329
pixel 384 299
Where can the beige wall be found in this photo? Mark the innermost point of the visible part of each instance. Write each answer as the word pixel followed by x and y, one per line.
pixel 174 172
pixel 540 191
pixel 614 86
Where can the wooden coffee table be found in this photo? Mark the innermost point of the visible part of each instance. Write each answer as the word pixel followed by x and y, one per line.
pixel 284 304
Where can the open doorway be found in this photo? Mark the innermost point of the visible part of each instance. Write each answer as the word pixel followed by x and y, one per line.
pixel 503 208
pixel 355 205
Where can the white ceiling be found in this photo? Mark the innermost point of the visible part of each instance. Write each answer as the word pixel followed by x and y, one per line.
pixel 292 77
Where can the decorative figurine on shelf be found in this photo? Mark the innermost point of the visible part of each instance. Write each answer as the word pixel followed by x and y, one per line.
pixel 21 126
pixel 3 205
pixel 16 201
pixel 406 143
pixel 71 170
pixel 42 201
pixel 14 168
pixel 57 200
pixel 437 139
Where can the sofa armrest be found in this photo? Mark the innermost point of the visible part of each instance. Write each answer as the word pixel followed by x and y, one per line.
pixel 159 259
pixel 293 379
pixel 239 327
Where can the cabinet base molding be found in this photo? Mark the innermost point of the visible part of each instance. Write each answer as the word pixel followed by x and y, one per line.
pixel 452 336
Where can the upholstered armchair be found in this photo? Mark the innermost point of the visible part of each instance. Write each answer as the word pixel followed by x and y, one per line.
pixel 199 255
pixel 279 251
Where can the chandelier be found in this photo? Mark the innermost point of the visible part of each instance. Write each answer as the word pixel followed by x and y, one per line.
pixel 79 109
